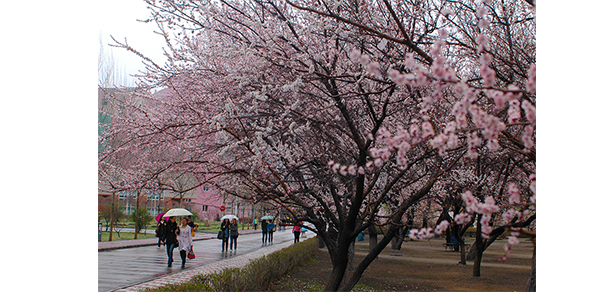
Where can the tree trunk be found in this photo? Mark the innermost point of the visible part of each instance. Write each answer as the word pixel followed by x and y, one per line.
pixel 350 256
pixel 372 237
pixel 479 250
pixel 531 281
pixel 111 217
pixel 340 263
pixel 137 214
pixel 357 274
pixel 321 243
pixel 355 277
pixel 472 253
pixel 399 238
pixel 462 253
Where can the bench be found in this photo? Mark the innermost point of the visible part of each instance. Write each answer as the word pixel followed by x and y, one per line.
pixel 453 243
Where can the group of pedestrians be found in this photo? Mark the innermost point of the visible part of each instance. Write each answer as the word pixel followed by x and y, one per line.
pixel 181 236
pixel 174 236
pixel 267 228
pixel 229 234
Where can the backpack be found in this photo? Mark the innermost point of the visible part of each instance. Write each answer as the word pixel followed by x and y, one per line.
pixel 271 227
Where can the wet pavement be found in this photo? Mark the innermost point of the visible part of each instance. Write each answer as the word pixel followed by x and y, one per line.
pixel 146 266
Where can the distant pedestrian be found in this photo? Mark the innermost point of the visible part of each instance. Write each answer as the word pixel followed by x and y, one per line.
pixel 192 224
pixel 264 229
pixel 160 232
pixel 297 232
pixel 224 227
pixel 171 240
pixel 255 222
pixel 270 229
pixel 234 230
pixel 185 240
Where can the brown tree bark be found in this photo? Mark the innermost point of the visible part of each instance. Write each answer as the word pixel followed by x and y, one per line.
pixel 372 237
pixel 478 245
pixel 531 281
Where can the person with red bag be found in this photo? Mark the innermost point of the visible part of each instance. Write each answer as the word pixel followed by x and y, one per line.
pixel 185 241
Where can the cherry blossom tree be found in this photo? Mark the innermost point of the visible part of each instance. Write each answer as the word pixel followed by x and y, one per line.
pixel 344 114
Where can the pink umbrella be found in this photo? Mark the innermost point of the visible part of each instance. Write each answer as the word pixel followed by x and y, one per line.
pixel 158 218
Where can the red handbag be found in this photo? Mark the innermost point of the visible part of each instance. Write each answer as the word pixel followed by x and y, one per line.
pixel 191 255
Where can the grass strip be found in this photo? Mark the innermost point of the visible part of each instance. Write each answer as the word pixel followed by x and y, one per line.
pixel 258 275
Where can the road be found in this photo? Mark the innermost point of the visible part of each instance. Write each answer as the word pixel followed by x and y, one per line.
pixel 122 268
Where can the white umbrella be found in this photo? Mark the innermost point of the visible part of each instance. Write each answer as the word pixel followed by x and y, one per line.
pixel 177 212
pixel 266 217
pixel 230 217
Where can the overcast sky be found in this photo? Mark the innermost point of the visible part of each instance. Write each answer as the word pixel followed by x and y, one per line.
pixel 119 19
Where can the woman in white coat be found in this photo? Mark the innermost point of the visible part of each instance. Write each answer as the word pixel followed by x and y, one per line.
pixel 185 240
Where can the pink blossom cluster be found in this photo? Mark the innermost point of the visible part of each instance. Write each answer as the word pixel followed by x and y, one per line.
pixel 462 218
pixel 483 42
pixel 512 241
pixel 533 187
pixel 474 141
pixel 438 69
pixel 473 205
pixel 446 140
pixel 491 126
pixel 345 170
pixel 374 68
pixel 527 138
pixel 514 112
pixel 514 194
pixel 427 233
pixel 481 13
pixel 530 86
pixel 488 74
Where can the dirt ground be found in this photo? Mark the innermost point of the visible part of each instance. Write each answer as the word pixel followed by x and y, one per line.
pixel 422 266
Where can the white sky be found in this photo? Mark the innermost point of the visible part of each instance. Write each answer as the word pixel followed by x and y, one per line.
pixel 119 19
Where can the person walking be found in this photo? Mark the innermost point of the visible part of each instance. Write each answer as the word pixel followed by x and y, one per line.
pixel 270 229
pixel 185 240
pixel 192 224
pixel 234 230
pixel 224 227
pixel 171 240
pixel 160 232
pixel 297 232
pixel 264 229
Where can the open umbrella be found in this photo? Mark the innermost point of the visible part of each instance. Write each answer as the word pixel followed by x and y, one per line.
pixel 177 212
pixel 230 217
pixel 266 217
pixel 158 218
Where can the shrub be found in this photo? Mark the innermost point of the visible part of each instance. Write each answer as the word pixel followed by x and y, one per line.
pixel 141 218
pixel 256 276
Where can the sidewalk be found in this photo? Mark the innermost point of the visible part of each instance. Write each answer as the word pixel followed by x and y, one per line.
pixel 110 245
pixel 185 276
pixel 234 262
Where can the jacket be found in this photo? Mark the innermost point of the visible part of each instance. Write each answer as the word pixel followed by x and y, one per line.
pixel 234 230
pixel 270 226
pixel 225 229
pixel 170 233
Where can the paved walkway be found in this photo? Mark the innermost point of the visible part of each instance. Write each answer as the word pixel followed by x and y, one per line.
pixel 234 262
pixel 186 275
